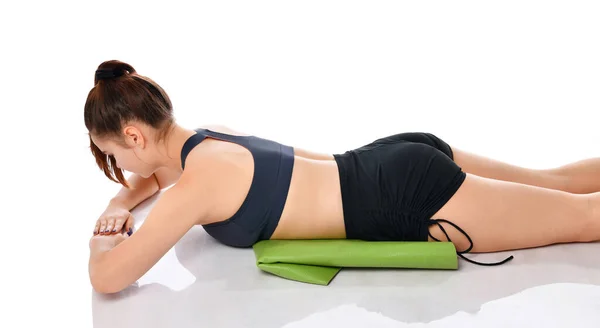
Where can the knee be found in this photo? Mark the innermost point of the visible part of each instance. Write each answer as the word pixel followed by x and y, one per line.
pixel 593 224
pixel 563 181
pixel 589 225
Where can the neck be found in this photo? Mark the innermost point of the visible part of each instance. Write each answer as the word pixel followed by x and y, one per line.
pixel 172 148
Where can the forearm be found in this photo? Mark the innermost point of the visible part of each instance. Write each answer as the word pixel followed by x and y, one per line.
pixel 111 272
pixel 140 190
pixel 98 250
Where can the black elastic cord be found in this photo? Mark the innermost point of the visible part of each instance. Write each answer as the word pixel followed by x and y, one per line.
pixel 437 222
pixel 103 74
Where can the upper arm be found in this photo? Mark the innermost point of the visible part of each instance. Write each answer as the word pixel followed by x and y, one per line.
pixel 174 214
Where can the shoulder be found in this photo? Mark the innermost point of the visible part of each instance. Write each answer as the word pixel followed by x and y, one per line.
pixel 201 163
pixel 300 152
pixel 203 169
pixel 223 129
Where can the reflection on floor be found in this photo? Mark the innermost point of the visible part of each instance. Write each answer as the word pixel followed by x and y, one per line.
pixel 203 283
pixel 548 306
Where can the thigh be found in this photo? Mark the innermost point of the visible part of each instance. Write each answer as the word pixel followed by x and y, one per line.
pixel 498 170
pixel 502 215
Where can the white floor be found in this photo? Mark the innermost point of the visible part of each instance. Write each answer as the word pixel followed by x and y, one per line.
pixel 203 283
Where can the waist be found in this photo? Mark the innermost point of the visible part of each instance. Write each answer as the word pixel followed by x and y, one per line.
pixel 314 208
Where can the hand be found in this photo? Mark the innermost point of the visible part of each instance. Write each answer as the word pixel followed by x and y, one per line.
pixel 106 242
pixel 115 219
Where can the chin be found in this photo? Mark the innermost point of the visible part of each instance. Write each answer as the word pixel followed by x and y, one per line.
pixel 142 174
pixel 145 173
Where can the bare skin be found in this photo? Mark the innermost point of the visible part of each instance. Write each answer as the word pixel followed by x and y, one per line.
pixel 501 206
pixel 505 207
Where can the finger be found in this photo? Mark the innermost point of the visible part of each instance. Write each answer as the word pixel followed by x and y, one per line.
pixel 118 225
pixel 129 223
pixel 102 225
pixel 110 223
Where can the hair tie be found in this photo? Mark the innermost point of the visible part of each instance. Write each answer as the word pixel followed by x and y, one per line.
pixel 103 74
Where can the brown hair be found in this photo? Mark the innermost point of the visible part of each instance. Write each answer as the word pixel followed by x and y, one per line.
pixel 120 95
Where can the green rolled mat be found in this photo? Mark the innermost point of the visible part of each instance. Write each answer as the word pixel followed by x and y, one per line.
pixel 318 261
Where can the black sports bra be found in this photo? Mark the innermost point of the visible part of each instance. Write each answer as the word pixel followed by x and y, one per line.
pixel 259 214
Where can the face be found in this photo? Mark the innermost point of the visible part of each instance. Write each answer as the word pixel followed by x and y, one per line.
pixel 133 157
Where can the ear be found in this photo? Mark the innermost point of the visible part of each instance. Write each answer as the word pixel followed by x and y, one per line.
pixel 133 136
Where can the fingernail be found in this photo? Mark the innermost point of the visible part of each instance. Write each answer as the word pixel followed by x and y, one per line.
pixel 130 231
pixel 114 230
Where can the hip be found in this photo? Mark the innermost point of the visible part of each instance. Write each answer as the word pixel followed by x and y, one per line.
pixel 390 190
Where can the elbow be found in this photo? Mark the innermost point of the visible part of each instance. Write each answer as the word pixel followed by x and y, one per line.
pixel 104 286
pixel 105 283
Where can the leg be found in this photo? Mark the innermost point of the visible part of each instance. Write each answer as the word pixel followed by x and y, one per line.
pixel 501 215
pixel 574 178
pixel 578 178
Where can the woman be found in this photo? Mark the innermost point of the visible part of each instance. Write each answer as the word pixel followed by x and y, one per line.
pixel 242 188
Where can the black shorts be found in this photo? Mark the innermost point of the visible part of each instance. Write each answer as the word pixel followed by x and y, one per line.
pixel 394 185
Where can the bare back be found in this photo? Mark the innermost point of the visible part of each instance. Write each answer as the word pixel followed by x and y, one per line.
pixel 313 207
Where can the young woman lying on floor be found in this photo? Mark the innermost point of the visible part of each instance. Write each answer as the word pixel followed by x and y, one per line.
pixel 242 188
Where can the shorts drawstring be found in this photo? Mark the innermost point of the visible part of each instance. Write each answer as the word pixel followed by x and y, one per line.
pixel 437 222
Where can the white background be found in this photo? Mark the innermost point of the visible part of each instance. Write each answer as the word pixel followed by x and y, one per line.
pixel 517 81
